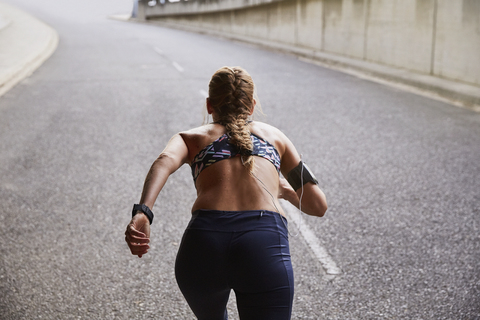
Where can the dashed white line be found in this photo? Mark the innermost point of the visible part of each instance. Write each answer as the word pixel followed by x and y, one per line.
pixel 320 252
pixel 177 66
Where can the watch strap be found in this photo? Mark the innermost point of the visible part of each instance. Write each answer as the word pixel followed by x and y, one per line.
pixel 143 208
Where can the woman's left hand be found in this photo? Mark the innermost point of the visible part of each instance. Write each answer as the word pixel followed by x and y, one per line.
pixel 285 191
pixel 137 235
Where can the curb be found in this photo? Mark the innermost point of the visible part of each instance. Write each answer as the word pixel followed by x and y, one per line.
pixel 25 44
pixel 453 92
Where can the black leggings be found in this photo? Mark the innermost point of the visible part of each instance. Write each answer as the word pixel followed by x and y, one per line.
pixel 245 251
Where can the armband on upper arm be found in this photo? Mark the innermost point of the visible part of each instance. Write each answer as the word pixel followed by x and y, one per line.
pixel 300 175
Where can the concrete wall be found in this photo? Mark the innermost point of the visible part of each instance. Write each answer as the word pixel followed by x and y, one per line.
pixel 457 40
pixel 437 37
pixel 400 33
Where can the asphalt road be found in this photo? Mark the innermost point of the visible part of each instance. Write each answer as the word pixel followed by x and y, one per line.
pixel 401 173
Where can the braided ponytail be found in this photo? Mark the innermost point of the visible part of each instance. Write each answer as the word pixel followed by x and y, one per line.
pixel 231 96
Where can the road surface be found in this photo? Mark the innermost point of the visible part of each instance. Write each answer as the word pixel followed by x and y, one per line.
pixel 400 171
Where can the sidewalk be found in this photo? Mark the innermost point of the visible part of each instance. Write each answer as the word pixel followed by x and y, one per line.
pixel 25 43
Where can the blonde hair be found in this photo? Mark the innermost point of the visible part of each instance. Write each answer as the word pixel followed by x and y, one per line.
pixel 231 95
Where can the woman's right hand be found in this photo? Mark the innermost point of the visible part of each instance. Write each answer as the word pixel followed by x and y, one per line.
pixel 137 234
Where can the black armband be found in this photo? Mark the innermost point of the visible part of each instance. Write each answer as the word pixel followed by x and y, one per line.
pixel 300 175
pixel 143 208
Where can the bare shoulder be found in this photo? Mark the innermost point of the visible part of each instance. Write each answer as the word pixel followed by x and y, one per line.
pixel 194 136
pixel 262 127
pixel 197 138
pixel 194 131
pixel 270 133
pixel 208 131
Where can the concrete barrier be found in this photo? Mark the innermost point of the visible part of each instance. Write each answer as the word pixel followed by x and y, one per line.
pixel 434 37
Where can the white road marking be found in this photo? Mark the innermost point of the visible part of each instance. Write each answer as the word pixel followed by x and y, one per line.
pixel 320 252
pixel 177 66
pixel 204 93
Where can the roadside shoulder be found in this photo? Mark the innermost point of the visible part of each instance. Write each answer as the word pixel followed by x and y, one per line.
pixel 25 44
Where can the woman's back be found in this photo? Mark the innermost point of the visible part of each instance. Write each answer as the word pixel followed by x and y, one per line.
pixel 226 184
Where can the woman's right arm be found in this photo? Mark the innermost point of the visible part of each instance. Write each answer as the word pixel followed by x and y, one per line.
pixel 313 199
pixel 172 157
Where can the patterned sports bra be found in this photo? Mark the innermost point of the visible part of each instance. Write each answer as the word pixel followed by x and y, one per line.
pixel 221 149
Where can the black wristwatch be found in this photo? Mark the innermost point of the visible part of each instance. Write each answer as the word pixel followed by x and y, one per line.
pixel 143 208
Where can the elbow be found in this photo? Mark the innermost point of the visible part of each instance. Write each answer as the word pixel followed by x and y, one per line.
pixel 316 205
pixel 165 156
pixel 165 161
pixel 322 210
pixel 317 209
pixel 320 207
